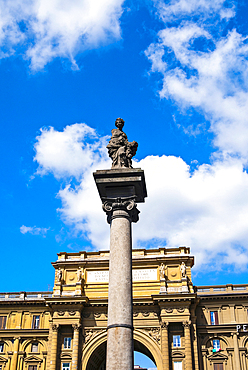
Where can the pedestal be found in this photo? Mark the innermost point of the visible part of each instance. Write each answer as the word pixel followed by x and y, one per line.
pixel 119 191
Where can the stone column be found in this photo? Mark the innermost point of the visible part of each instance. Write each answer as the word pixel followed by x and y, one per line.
pixel 121 213
pixel 165 345
pixel 53 357
pixel 187 340
pixel 236 352
pixel 76 328
pixel 15 354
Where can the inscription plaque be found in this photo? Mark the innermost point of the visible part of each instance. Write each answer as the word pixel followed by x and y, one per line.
pixel 138 275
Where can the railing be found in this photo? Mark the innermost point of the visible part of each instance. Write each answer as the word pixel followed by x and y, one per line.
pixel 222 289
pixel 25 296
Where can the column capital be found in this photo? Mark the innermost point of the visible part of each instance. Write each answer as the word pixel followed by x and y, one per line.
pixel 76 327
pixel 55 327
pixel 165 324
pixel 186 324
pixel 121 207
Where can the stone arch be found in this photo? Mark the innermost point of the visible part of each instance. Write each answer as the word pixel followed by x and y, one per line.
pixel 94 351
pixel 27 342
pixel 244 341
pixel 211 337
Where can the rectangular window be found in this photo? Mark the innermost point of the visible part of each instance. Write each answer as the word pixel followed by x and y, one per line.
pixel 32 367
pixel 218 366
pixel 65 366
pixel 216 345
pixel 178 365
pixel 3 320
pixel 67 343
pixel 176 341
pixel 34 347
pixel 1 347
pixel 214 318
pixel 36 322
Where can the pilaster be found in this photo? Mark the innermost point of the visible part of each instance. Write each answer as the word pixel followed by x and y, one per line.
pixel 187 341
pixel 53 358
pixel 15 354
pixel 165 344
pixel 76 328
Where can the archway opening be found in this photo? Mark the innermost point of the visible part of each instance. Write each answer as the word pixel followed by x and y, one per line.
pixel 143 361
pixel 97 360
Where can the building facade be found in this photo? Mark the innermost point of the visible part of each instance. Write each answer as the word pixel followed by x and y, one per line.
pixel 177 325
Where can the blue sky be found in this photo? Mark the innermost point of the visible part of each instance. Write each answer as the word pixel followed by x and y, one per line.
pixel 176 72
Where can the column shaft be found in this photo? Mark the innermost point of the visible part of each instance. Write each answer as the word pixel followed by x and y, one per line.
pixel 75 347
pixel 120 305
pixel 165 346
pixel 187 340
pixel 53 357
pixel 15 354
pixel 236 352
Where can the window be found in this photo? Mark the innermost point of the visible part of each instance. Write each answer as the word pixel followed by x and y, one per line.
pixel 1 346
pixel 65 366
pixel 218 366
pixel 176 341
pixel 34 347
pixel 214 318
pixel 32 367
pixel 67 343
pixel 216 345
pixel 36 322
pixel 3 320
pixel 178 365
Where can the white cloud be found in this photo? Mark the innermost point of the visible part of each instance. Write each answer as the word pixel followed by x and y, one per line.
pixel 34 230
pixel 208 71
pixel 68 153
pixel 49 29
pixel 173 9
pixel 206 210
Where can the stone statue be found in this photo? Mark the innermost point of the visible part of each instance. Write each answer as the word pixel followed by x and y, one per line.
pixel 79 277
pixel 59 275
pixel 119 148
pixel 162 271
pixel 183 270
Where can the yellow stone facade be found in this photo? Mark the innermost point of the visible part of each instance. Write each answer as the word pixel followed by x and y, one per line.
pixel 177 325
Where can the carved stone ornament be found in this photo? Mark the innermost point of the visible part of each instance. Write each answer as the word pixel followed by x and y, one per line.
pixel 135 314
pixel 86 315
pixel 72 313
pixel 186 324
pixel 119 148
pixel 169 310
pixel 55 327
pixel 76 327
pixel 97 314
pixel 180 309
pixel 164 324
pixel 90 334
pixel 154 333
pixel 61 313
pixel 146 313
pixel 126 204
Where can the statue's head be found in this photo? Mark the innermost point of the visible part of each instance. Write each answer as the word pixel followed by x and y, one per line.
pixel 119 123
